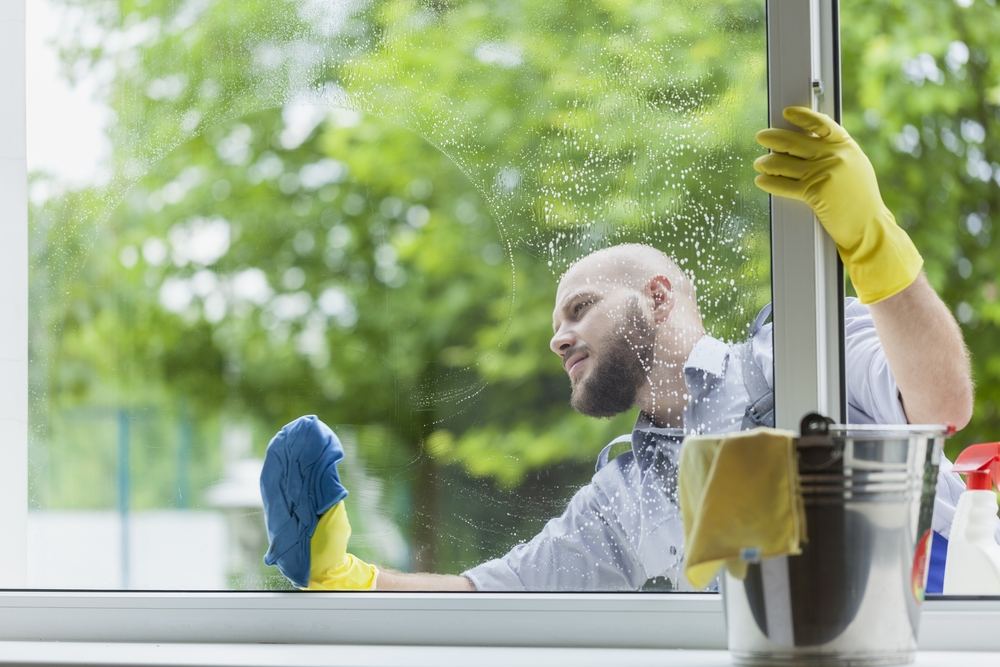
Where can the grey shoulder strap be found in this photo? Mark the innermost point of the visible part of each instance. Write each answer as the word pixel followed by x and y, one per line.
pixel 602 458
pixel 758 322
pixel 760 409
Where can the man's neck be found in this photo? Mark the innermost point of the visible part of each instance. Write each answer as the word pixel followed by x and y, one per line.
pixel 666 395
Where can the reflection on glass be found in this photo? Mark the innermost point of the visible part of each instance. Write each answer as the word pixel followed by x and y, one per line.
pixel 376 212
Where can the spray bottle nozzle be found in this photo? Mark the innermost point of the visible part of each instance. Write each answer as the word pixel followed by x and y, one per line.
pixel 981 465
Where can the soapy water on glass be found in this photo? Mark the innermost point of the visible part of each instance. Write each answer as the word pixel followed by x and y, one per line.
pixel 591 202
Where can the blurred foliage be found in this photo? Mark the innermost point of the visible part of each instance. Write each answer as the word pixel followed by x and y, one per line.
pixel 361 210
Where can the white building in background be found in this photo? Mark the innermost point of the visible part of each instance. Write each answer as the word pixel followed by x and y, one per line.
pixel 168 550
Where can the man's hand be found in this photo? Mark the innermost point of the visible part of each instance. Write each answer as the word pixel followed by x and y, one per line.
pixel 827 170
pixel 331 567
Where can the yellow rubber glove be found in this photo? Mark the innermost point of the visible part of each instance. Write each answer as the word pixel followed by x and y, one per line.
pixel 828 171
pixel 331 567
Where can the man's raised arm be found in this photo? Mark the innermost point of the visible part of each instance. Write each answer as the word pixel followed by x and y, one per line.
pixel 825 168
pixel 927 355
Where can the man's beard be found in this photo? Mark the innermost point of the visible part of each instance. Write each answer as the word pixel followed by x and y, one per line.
pixel 620 371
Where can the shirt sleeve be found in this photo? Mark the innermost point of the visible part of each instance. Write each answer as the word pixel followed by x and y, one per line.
pixel 584 549
pixel 872 394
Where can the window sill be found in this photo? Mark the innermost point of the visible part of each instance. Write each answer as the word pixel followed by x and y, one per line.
pixel 600 621
pixel 240 655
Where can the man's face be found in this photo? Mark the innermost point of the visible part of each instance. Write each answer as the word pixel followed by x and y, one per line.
pixel 605 341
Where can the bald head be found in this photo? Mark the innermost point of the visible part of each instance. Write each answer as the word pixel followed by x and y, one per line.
pixel 630 265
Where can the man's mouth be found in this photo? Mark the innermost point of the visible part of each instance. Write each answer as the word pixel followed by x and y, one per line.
pixel 575 363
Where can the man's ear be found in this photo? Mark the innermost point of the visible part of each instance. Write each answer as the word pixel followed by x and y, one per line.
pixel 661 296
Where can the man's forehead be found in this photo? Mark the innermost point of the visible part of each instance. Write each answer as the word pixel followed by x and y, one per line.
pixel 589 274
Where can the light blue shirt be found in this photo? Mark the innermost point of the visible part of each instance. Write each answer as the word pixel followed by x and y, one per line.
pixel 624 527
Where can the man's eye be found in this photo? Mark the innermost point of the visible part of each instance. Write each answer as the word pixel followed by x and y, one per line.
pixel 580 307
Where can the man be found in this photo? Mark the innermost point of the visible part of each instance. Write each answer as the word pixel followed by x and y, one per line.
pixel 628 332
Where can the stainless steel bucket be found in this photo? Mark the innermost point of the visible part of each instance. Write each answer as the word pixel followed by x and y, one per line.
pixel 853 596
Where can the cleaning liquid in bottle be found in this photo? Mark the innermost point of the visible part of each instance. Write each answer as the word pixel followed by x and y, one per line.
pixel 972 566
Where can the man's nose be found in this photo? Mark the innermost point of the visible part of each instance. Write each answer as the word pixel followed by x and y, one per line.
pixel 562 341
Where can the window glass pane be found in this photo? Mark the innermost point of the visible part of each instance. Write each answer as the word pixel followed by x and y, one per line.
pixel 243 212
pixel 921 96
pixel 920 100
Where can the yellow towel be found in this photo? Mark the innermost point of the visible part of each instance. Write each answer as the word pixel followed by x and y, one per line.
pixel 740 501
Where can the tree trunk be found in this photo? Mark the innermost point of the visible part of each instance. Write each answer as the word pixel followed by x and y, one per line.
pixel 425 514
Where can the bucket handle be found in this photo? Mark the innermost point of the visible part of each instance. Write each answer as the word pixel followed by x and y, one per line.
pixel 815 434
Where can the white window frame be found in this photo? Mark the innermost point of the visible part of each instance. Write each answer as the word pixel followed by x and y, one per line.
pixel 802 39
pixel 806 278
pixel 13 293
pixel 626 620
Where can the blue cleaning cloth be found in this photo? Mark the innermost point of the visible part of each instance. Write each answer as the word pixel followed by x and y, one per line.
pixel 298 483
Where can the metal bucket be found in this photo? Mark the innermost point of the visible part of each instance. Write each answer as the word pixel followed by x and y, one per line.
pixel 853 595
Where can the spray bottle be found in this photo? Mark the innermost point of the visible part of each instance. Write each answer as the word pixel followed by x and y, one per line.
pixel 972 566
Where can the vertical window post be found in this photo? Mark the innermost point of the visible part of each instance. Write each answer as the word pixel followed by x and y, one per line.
pixel 13 297
pixel 806 276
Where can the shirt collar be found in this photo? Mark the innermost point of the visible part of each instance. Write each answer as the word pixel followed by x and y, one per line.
pixel 646 437
pixel 644 424
pixel 708 356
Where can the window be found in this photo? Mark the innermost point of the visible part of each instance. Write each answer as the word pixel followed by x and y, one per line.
pixel 162 303
pixel 362 211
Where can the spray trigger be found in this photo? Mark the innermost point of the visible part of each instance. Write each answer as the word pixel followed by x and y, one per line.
pixel 981 465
